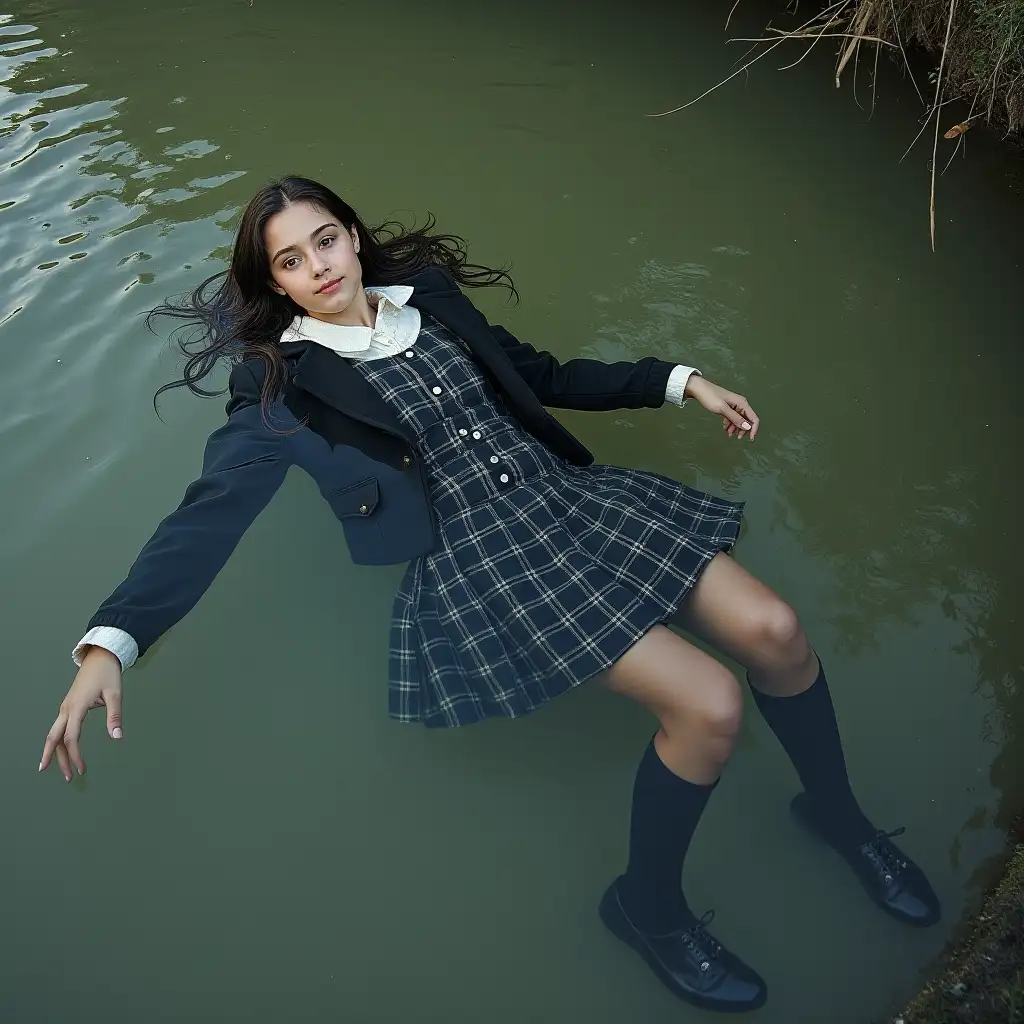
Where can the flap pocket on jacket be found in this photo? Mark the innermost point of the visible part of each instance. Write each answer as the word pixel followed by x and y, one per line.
pixel 355 500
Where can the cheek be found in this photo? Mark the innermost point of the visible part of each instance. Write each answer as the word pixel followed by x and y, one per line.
pixel 284 282
pixel 353 268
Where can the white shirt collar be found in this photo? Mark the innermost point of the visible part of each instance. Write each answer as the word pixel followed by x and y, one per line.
pixel 397 322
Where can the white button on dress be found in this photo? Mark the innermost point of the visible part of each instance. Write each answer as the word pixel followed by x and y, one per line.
pixel 503 478
pixel 477 435
pixel 463 432
pixel 409 354
pixel 494 459
pixel 436 390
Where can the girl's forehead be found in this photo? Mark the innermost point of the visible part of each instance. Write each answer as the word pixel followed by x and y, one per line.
pixel 295 223
pixel 299 213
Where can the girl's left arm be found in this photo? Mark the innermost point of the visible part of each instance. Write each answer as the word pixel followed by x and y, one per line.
pixel 587 384
pixel 595 386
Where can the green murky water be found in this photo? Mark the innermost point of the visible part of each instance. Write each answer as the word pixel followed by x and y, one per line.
pixel 266 845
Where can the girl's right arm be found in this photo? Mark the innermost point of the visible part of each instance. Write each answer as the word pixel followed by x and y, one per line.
pixel 243 466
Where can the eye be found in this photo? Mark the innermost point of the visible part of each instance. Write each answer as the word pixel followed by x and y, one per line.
pixel 326 240
pixel 289 263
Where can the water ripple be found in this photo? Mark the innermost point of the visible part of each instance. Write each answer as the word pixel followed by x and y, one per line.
pixel 81 209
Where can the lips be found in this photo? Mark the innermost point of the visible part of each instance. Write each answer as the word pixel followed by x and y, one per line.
pixel 331 286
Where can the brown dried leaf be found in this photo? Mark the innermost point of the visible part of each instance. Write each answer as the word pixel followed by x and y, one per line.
pixel 957 129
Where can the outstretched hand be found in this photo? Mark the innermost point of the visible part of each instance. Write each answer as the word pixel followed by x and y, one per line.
pixel 97 685
pixel 738 418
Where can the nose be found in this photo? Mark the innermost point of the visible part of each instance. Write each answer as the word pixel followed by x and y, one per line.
pixel 320 266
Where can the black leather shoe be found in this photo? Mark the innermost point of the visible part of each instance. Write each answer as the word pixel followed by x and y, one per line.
pixel 690 962
pixel 890 877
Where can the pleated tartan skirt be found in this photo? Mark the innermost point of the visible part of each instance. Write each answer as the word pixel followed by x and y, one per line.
pixel 545 573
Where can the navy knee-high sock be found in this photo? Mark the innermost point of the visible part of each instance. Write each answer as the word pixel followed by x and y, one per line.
pixel 805 724
pixel 665 813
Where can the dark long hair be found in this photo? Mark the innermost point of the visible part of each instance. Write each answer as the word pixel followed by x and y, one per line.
pixel 234 315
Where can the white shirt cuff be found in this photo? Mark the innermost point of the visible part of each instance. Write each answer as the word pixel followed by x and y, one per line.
pixel 117 641
pixel 675 390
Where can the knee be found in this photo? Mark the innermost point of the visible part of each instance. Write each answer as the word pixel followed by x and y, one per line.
pixel 721 708
pixel 714 708
pixel 780 636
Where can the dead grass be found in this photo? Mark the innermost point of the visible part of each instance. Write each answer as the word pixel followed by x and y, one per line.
pixel 977 45
pixel 982 977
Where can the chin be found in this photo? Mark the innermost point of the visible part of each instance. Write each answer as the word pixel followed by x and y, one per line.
pixel 336 303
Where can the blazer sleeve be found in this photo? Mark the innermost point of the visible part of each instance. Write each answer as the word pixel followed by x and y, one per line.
pixel 587 384
pixel 243 466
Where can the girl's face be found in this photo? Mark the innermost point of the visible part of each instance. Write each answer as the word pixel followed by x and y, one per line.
pixel 313 260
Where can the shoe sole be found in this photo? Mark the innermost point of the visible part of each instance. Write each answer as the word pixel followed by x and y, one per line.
pixel 914 922
pixel 612 919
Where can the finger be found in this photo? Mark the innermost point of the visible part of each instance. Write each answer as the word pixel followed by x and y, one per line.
pixel 71 734
pixel 112 699
pixel 63 761
pixel 52 739
pixel 735 417
pixel 751 416
pixel 743 421
pixel 755 420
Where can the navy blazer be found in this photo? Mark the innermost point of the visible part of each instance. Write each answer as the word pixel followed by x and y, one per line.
pixel 330 422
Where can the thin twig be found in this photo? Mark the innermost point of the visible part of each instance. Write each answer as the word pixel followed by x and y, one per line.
pixel 860 22
pixel 815 35
pixel 856 75
pixel 795 33
pixel 995 73
pixel 732 11
pixel 874 81
pixel 906 60
pixel 835 17
pixel 935 144
pixel 960 138
pixel 739 71
pixel 818 18
pixel 924 127
pixel 956 149
pixel 749 51
pixel 729 78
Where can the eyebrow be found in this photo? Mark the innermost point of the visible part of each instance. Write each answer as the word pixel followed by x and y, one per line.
pixel 294 248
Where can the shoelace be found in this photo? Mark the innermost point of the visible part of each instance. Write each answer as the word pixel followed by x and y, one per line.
pixel 883 857
pixel 700 943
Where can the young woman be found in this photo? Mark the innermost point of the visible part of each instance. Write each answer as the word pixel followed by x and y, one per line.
pixel 357 357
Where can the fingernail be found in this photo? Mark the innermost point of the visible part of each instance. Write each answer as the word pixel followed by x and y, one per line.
pixel 746 425
pixel 116 733
pixel 67 778
pixel 40 765
pixel 81 771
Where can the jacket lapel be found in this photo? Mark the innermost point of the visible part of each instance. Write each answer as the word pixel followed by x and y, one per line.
pixel 435 295
pixel 336 382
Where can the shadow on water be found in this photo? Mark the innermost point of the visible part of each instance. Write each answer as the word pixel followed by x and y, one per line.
pixel 882 498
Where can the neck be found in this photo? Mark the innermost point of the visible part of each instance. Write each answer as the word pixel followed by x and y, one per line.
pixel 360 312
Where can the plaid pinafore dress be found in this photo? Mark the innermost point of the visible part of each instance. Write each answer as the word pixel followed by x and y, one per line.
pixel 545 573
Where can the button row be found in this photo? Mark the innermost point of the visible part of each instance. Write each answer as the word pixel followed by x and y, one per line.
pixel 494 460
